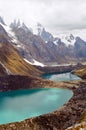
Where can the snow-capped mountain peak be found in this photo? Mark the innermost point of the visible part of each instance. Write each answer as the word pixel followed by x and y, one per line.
pixel 16 23
pixel 40 29
pixel 68 39
pixel 19 24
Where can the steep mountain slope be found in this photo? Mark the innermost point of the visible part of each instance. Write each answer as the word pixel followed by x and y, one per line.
pixel 11 59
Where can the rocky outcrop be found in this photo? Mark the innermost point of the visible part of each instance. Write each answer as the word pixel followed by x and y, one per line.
pixel 81 126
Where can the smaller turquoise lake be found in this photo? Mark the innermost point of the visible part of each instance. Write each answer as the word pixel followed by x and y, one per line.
pixel 61 77
pixel 21 104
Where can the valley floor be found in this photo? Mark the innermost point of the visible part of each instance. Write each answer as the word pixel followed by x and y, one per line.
pixel 71 113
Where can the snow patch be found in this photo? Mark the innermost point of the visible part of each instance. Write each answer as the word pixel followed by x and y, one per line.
pixel 38 63
pixel 19 46
pixel 19 22
pixel 46 41
pixel 14 40
pixel 40 28
pixel 28 61
pixel 56 41
pixel 35 62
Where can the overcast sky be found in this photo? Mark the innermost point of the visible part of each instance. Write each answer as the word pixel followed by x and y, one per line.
pixel 56 15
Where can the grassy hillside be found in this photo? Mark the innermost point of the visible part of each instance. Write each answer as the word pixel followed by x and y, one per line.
pixel 14 62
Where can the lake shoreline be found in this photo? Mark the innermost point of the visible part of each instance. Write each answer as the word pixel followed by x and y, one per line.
pixel 60 119
pixel 31 103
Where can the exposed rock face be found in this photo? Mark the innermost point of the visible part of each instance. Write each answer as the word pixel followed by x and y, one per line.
pixel 80 47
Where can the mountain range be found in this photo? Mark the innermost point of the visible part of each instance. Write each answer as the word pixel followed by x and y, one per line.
pixel 43 47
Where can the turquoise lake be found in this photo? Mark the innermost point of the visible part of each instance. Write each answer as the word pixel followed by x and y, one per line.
pixel 21 104
pixel 61 77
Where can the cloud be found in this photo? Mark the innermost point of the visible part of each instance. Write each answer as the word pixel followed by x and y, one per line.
pixel 55 15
